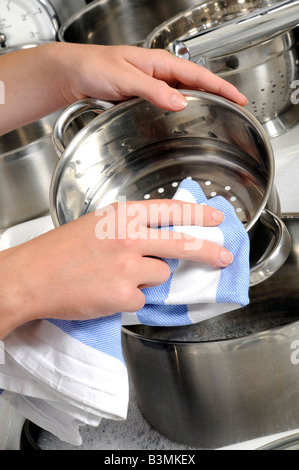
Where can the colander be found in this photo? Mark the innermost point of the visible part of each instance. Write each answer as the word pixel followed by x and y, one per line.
pixel 138 151
pixel 263 69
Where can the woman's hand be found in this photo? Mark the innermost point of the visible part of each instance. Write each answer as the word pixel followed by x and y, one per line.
pixel 120 72
pixel 57 74
pixel 97 264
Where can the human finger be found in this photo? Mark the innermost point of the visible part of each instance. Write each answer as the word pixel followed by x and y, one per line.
pixel 166 212
pixel 174 245
pixel 169 70
pixel 153 272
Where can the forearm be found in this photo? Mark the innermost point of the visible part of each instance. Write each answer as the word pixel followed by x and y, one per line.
pixel 33 85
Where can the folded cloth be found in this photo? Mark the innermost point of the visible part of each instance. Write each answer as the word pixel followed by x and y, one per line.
pixel 64 374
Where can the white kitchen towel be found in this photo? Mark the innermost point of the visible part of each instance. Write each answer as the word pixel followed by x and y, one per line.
pixel 64 374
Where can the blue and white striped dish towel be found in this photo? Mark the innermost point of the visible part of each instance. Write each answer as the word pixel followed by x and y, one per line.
pixel 64 374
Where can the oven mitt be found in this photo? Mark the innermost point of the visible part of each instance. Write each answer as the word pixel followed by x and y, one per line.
pixel 64 374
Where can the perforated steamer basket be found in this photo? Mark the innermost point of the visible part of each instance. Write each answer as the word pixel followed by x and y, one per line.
pixel 137 151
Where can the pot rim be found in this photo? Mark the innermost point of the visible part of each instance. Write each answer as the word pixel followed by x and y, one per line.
pixel 148 41
pixel 17 152
pixel 186 343
pixel 106 115
pixel 74 17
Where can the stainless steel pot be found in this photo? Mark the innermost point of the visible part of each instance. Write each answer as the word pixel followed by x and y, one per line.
pixel 229 379
pixel 119 21
pixel 137 150
pixel 262 66
pixel 27 161
pixel 66 8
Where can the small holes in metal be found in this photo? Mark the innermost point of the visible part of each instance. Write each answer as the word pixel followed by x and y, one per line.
pixel 147 196
pixel 213 193
pixel 207 183
pixel 161 190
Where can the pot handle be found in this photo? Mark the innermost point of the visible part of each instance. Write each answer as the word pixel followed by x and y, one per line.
pixel 72 112
pixel 278 254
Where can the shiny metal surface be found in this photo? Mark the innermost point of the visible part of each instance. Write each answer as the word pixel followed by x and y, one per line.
pixel 277 255
pixel 134 148
pixel 119 21
pixel 137 151
pixel 202 18
pixel 27 161
pixel 229 379
pixel 261 64
pixel 66 8
pixel 255 28
pixel 290 442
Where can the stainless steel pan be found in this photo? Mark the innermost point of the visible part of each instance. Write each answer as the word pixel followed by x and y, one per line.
pixel 138 151
pixel 27 162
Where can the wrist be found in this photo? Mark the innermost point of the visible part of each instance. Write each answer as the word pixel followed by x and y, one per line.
pixel 13 303
pixel 63 58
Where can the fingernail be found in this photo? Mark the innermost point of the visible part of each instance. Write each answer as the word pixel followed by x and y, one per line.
pixel 218 216
pixel 225 257
pixel 244 97
pixel 177 101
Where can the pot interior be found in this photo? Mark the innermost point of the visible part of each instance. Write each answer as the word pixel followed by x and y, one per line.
pixel 155 171
pixel 138 151
pixel 120 21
